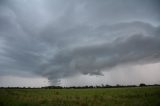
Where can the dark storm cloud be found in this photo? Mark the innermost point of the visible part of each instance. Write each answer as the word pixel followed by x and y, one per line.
pixel 138 46
pixel 135 49
pixel 57 39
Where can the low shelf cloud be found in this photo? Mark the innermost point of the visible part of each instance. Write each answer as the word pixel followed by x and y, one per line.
pixel 62 40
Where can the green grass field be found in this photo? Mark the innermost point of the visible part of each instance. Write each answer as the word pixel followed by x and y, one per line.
pixel 138 96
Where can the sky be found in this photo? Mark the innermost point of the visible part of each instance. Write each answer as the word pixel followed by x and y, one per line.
pixel 79 42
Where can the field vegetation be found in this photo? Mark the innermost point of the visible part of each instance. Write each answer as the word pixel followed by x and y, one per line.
pixel 132 96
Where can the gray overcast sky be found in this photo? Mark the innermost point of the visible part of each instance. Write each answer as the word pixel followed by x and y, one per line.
pixel 79 42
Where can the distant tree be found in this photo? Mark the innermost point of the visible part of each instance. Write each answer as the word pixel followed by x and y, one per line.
pixel 142 84
pixel 107 86
pixel 117 85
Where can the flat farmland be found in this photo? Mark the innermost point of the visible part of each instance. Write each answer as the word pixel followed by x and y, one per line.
pixel 136 96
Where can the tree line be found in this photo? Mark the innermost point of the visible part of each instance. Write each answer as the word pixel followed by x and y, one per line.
pixel 82 87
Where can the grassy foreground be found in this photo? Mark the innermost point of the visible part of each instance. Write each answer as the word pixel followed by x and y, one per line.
pixel 138 96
